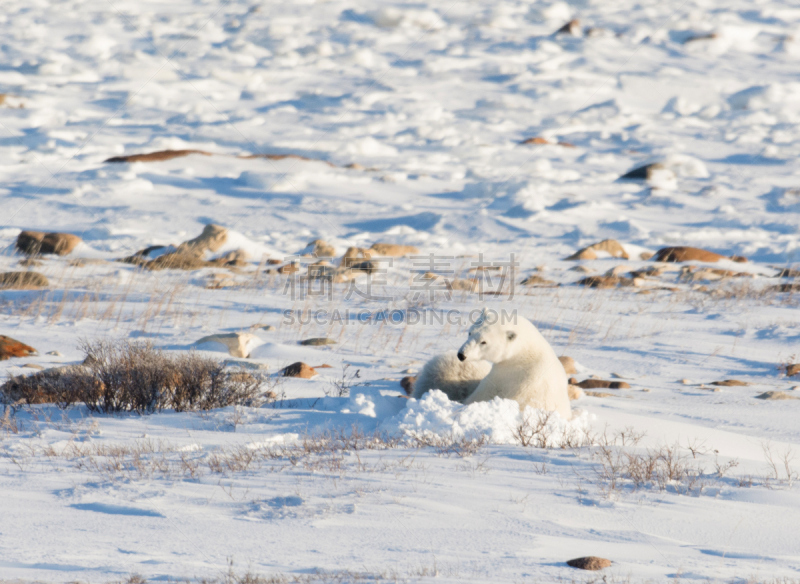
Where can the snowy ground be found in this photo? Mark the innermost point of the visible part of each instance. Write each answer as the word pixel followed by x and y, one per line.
pixel 413 115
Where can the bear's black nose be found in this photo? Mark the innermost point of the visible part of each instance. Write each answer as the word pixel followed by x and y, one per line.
pixel 462 357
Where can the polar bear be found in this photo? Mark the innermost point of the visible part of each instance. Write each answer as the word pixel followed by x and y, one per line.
pixel 447 373
pixel 525 367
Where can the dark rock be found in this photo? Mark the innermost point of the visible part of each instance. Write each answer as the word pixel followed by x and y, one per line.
pixel 299 369
pixel 156 156
pixel 729 383
pixel 13 348
pixel 604 282
pixel 318 341
pixel 589 563
pixel 602 384
pixel 38 242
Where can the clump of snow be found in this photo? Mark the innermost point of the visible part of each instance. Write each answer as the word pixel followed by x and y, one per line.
pixel 236 241
pixel 390 17
pixel 497 420
pixel 557 11
pixel 369 146
pixel 772 96
pixel 686 166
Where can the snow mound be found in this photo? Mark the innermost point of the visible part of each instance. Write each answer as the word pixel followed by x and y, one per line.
pixel 390 17
pixel 497 420
pixel 770 97
pixel 236 241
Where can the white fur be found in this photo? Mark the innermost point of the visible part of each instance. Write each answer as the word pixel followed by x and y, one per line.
pixel 455 378
pixel 526 368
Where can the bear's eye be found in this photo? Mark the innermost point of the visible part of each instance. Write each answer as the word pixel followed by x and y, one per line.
pixel 483 342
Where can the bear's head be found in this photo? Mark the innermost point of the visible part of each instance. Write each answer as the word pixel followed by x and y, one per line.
pixel 490 339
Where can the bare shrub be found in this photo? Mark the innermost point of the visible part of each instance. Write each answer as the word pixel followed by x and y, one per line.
pixel 451 444
pixel 63 386
pixel 121 376
pixel 659 468
pixel 535 429
pixel 341 387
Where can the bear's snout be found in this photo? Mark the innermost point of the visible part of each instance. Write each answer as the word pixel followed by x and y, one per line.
pixel 461 356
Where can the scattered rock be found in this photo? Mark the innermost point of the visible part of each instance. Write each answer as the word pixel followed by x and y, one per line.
pixel 702 36
pixel 263 327
pixel 617 271
pixel 287 156
pixel 598 394
pixel 219 281
pixel 142 256
pixel 775 395
pixel 787 273
pixel 793 369
pixel 646 172
pixel 176 261
pixel 33 366
pixel 234 258
pixel 692 274
pixel 367 267
pixel 538 140
pixel 604 282
pixel 322 249
pixel 581 269
pixel 237 343
pixel 318 341
pixel 190 255
pixel 602 384
pixel 22 281
pixel 393 250
pixel 300 370
pixel 39 242
pixel 54 354
pixel 461 284
pixel 535 140
pixel 291 268
pixel 482 269
pixel 156 156
pixel 609 246
pixel 729 383
pixel 569 365
pixel 211 239
pixel 83 262
pixel 589 563
pixel 357 252
pixel 573 27
pixel 648 272
pixel 646 255
pixel 407 383
pixel 690 254
pixel 575 392
pixel 537 281
pixel 13 348
pixel 448 282
pixel 30 262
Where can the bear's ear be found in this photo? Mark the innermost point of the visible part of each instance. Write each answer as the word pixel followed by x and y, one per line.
pixel 511 335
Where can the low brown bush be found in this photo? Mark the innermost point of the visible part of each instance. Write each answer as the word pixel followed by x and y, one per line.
pixel 123 376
